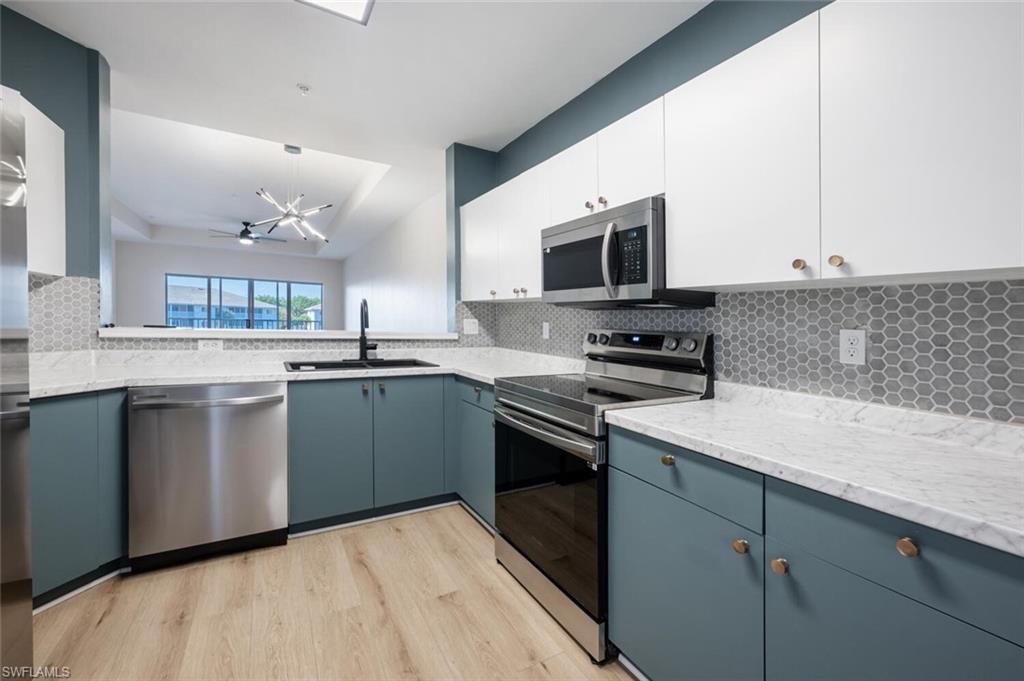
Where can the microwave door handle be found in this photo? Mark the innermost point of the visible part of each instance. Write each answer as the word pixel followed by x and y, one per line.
pixel 606 270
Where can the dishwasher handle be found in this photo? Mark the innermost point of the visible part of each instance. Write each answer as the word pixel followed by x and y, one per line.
pixel 204 404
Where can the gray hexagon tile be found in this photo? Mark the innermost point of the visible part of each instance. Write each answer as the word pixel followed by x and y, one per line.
pixel 955 348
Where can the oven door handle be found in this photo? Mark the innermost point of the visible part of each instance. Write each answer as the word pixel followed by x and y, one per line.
pixel 578 447
pixel 606 270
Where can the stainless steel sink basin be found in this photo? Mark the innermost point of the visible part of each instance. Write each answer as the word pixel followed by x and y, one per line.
pixel 339 365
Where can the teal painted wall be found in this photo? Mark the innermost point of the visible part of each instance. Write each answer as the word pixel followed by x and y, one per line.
pixel 469 172
pixel 71 85
pixel 719 31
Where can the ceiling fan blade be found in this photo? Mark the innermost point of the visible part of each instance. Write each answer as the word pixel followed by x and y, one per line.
pixel 224 236
pixel 272 238
pixel 221 231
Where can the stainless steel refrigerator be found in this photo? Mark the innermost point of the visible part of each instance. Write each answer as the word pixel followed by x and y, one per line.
pixel 15 525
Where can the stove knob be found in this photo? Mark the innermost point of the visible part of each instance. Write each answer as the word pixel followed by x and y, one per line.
pixel 603 339
pixel 671 343
pixel 591 338
pixel 689 345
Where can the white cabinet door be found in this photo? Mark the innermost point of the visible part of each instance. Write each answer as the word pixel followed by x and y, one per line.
pixel 45 208
pixel 741 167
pixel 479 226
pixel 921 124
pixel 631 156
pixel 524 215
pixel 572 181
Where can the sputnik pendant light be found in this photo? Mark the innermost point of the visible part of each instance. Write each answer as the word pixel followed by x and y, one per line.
pixel 291 213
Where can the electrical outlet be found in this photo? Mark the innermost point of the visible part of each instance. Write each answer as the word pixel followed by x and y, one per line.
pixel 470 327
pixel 851 346
pixel 545 330
pixel 206 345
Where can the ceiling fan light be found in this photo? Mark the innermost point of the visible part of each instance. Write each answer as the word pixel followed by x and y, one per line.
pixel 246 241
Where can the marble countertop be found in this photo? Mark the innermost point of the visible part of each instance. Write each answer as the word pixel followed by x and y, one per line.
pixel 54 374
pixel 961 476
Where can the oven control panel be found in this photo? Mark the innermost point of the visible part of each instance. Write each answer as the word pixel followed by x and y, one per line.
pixel 665 346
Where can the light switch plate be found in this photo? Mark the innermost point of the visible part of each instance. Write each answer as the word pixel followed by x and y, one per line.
pixel 851 346
pixel 470 327
pixel 210 345
pixel 545 330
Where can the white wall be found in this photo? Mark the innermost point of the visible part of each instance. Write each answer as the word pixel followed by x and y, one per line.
pixel 402 273
pixel 139 270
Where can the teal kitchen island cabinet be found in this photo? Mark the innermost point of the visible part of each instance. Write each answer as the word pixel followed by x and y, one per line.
pixel 408 439
pixel 685 591
pixel 330 449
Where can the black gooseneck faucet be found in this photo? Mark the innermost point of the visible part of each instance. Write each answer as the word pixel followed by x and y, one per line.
pixel 364 321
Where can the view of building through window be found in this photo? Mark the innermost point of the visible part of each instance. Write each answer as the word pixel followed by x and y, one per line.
pixel 198 302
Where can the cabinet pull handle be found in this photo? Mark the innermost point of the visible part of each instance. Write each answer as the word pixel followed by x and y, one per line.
pixel 799 264
pixel 603 201
pixel 588 205
pixel 836 260
pixel 380 386
pixel 907 547
pixel 780 566
pixel 668 460
pixel 741 546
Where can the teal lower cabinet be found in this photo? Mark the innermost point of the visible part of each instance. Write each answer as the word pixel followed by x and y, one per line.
pixel 330 449
pixel 476 459
pixel 685 586
pixel 822 622
pixel 65 490
pixel 408 439
pixel 112 469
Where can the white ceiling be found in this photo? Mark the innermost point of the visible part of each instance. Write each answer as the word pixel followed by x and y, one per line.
pixel 398 91
pixel 177 175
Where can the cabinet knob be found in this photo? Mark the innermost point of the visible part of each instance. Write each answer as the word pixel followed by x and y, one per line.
pixel 366 387
pixel 515 291
pixel 741 546
pixel 477 389
pixel 603 201
pixel 836 260
pixel 523 291
pixel 668 460
pixel 780 566
pixel 493 292
pixel 380 386
pixel 799 264
pixel 588 205
pixel 907 547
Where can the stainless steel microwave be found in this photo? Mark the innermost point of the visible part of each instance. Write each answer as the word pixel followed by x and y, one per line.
pixel 615 258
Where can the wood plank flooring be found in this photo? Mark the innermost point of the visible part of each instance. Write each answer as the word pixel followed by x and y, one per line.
pixel 414 597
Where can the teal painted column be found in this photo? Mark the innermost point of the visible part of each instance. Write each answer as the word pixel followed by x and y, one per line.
pixel 71 85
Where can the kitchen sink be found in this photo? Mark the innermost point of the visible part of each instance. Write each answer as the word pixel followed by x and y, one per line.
pixel 338 365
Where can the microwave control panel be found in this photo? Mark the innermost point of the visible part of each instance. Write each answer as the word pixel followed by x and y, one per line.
pixel 633 252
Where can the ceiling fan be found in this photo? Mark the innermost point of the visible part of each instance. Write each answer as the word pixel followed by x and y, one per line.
pixel 246 236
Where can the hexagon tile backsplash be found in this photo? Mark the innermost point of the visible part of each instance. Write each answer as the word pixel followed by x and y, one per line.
pixel 954 348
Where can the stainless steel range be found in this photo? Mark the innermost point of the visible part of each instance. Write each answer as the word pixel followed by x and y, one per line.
pixel 551 477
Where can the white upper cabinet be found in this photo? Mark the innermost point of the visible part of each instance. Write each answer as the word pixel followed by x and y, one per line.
pixel 480 222
pixel 631 157
pixel 741 167
pixel 525 204
pixel 45 218
pixel 572 181
pixel 921 137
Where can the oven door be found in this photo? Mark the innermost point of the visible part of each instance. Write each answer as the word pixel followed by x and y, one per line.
pixel 551 504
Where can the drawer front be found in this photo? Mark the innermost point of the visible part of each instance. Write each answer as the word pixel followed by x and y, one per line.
pixel 822 622
pixel 977 584
pixel 480 394
pixel 730 491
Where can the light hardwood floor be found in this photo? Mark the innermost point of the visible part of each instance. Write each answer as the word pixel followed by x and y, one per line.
pixel 414 597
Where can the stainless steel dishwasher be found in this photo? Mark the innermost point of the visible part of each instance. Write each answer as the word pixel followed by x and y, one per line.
pixel 207 470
